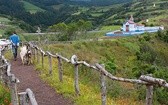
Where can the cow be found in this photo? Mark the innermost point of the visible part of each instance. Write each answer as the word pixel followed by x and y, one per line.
pixel 25 54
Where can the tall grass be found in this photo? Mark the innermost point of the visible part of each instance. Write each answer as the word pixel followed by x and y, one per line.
pixel 89 80
pixel 4 95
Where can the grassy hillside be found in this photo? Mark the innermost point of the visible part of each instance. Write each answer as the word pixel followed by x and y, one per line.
pixel 141 12
pixel 125 57
pixel 2 22
pixel 117 14
pixel 8 26
pixel 57 7
pixel 113 14
pixel 32 8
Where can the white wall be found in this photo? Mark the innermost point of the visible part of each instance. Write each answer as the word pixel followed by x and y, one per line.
pixel 132 27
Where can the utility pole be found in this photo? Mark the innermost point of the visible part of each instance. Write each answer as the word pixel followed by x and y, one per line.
pixel 38 31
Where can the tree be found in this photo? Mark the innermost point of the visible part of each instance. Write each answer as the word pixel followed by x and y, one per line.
pixel 60 27
pixel 71 32
pixel 84 26
pixel 8 32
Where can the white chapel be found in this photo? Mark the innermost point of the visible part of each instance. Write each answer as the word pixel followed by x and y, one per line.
pixel 131 26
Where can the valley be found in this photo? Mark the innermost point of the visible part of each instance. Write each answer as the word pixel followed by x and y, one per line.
pixel 69 27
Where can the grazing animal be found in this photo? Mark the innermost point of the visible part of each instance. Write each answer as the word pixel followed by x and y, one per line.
pixel 25 54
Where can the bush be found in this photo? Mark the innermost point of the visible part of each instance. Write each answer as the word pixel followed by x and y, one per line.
pixel 147 38
pixel 4 95
pixel 163 35
pixel 8 32
pixel 161 92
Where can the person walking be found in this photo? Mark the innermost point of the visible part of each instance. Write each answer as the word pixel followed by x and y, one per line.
pixel 14 38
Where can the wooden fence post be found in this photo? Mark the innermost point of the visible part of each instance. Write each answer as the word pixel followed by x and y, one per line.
pixel 76 79
pixel 31 97
pixel 42 59
pixel 149 87
pixel 60 70
pixel 34 54
pixel 103 87
pixel 76 83
pixel 23 98
pixel 50 63
pixel 37 52
pixel 13 89
pixel 1 69
pixel 5 78
pixel 149 94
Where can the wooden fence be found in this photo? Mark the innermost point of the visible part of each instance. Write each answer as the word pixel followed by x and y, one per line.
pixel 9 79
pixel 147 80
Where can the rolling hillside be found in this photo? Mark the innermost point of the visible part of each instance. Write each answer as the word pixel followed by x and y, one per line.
pixel 31 8
pixel 47 13
pixel 7 26
pixel 127 57
pixel 154 11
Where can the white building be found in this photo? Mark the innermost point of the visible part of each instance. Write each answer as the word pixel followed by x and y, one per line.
pixel 132 28
pixel 130 25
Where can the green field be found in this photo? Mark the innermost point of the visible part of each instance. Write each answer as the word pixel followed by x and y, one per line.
pixel 32 8
pixel 3 19
pixel 111 28
pixel 159 20
pixel 57 7
pixel 155 15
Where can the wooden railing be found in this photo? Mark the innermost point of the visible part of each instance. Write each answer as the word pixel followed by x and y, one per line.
pixel 147 80
pixel 9 79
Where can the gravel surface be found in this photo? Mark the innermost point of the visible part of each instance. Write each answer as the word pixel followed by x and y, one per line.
pixel 44 94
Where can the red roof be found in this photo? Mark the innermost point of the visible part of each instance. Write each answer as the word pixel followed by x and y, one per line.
pixel 130 22
pixel 139 24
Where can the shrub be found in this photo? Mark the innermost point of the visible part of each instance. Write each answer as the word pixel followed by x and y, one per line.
pixel 4 95
pixel 147 38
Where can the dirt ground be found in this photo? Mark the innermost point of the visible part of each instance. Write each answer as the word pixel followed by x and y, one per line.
pixel 44 94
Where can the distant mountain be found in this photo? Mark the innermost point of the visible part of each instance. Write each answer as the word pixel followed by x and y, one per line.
pixel 99 12
pixel 47 15
pixel 99 2
pixel 79 2
pixel 46 2
pixel 50 16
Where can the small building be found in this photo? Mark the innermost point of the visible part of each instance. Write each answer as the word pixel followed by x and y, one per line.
pixel 130 25
pixel 132 28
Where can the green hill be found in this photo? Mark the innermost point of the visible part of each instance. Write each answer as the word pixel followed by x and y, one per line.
pixel 8 25
pixel 3 22
pixel 46 13
pixel 127 57
pixel 154 11
pixel 117 14
pixel 31 8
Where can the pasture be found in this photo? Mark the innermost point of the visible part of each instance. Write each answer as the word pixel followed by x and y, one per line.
pixel 31 8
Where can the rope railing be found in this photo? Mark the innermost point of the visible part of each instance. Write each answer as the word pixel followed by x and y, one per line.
pixel 11 81
pixel 147 80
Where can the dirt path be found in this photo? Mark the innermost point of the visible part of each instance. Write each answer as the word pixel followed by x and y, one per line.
pixel 44 94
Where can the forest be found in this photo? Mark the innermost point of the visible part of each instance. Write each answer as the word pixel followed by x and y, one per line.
pixel 15 9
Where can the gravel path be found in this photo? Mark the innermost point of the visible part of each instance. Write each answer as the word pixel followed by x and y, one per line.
pixel 44 94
